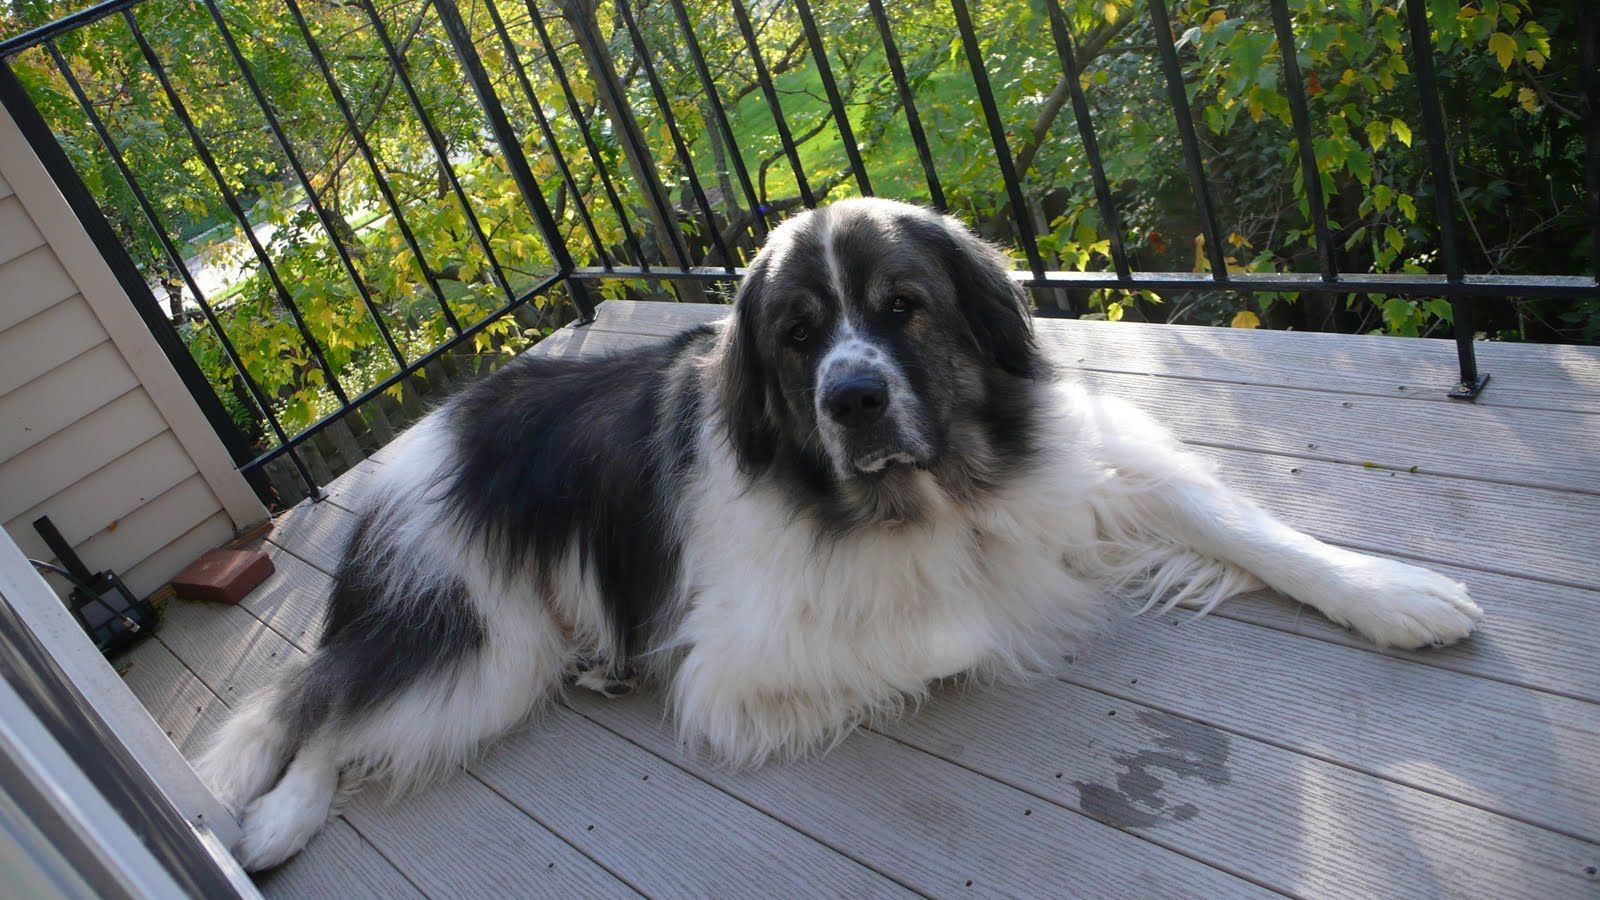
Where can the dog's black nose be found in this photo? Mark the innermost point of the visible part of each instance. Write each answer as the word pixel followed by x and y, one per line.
pixel 858 400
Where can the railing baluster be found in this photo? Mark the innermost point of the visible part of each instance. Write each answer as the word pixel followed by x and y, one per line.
pixel 1091 144
pixel 1589 109
pixel 1300 116
pixel 582 121
pixel 371 160
pixel 997 135
pixel 511 148
pixel 908 102
pixel 757 213
pixel 685 158
pixel 549 134
pixel 1471 382
pixel 441 151
pixel 654 191
pixel 321 211
pixel 1179 99
pixel 232 202
pixel 170 248
pixel 841 116
pixel 764 78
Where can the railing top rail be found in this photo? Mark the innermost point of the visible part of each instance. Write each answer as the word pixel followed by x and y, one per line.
pixel 33 37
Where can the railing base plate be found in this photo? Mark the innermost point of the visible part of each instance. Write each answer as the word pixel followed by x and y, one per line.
pixel 1469 390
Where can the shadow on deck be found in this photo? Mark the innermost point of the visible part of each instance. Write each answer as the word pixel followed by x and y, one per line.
pixel 1258 748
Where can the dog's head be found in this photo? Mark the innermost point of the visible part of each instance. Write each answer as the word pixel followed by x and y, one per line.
pixel 872 341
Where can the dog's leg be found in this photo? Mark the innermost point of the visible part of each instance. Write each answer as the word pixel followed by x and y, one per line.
pixel 247 752
pixel 1171 492
pixel 279 824
pixel 1392 603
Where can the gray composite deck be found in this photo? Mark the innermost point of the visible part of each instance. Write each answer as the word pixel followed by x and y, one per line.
pixel 1257 750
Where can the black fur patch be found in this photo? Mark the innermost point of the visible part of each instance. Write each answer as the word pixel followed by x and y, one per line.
pixel 556 455
pixel 370 650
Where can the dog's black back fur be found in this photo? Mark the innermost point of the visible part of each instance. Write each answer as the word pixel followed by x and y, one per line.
pixel 552 455
pixel 561 455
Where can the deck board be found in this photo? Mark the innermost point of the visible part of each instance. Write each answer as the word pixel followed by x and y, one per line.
pixel 1298 823
pixel 937 828
pixel 1259 748
pixel 490 849
pixel 1520 752
pixel 658 827
pixel 363 871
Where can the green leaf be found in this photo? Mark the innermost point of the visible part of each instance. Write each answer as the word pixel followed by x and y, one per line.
pixel 1401 130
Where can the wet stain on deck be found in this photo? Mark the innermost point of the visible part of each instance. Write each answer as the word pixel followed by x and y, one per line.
pixel 1183 749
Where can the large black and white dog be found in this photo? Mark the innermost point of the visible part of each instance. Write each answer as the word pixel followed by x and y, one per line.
pixel 866 479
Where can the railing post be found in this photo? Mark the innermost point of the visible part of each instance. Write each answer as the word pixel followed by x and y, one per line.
pixel 511 146
pixel 1471 382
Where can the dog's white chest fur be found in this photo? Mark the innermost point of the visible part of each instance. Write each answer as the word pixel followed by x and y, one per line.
pixel 787 631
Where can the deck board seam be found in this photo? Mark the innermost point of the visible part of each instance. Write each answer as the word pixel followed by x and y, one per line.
pixel 268 625
pixel 290 550
pixel 381 855
pixel 1330 760
pixel 528 814
pixel 1147 838
pixel 1365 646
pixel 1420 470
pixel 746 803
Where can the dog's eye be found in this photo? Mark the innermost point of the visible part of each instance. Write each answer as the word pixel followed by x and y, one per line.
pixel 901 305
pixel 799 333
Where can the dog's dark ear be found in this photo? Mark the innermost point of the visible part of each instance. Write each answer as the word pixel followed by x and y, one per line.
pixel 995 306
pixel 744 379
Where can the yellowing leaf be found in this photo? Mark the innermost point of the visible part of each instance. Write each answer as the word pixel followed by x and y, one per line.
pixel 1534 58
pixel 1503 90
pixel 1401 130
pixel 1504 48
pixel 1348 78
pixel 1216 18
pixel 1528 99
pixel 1377 132
pixel 1114 312
pixel 1244 318
pixel 1110 13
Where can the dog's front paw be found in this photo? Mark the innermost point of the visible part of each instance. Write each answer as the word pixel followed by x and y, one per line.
pixel 1399 605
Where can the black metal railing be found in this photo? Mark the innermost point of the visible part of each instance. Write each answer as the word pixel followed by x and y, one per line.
pixel 674 229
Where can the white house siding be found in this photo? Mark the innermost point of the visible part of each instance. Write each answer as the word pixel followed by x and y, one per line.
pixel 97 431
